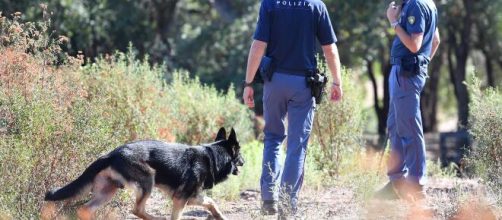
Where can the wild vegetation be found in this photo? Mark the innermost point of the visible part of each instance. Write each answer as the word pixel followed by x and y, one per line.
pixel 59 112
pixel 486 155
pixel 211 39
pixel 57 116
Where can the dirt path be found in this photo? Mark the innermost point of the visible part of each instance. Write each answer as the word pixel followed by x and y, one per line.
pixel 446 198
pixel 321 204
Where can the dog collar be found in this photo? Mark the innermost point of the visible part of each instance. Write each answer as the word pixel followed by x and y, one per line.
pixel 214 165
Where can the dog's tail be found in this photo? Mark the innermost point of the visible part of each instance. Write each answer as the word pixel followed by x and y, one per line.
pixel 81 183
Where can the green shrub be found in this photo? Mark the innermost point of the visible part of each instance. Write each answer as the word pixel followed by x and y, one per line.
pixel 57 117
pixel 336 148
pixel 486 128
pixel 197 110
pixel 51 131
pixel 183 109
pixel 338 128
pixel 435 169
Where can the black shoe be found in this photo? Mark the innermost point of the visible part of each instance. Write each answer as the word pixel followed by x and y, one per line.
pixel 269 207
pixel 387 193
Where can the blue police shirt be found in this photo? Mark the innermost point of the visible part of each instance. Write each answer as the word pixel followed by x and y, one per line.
pixel 290 28
pixel 417 16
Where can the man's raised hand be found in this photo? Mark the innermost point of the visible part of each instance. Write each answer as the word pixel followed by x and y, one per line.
pixel 393 12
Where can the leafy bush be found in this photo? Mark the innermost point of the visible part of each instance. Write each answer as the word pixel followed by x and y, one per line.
pixel 486 128
pixel 197 109
pixel 182 110
pixel 436 170
pixel 50 131
pixel 336 148
pixel 56 117
pixel 338 128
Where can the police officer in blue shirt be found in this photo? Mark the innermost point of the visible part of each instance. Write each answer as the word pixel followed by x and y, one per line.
pixel 416 42
pixel 286 32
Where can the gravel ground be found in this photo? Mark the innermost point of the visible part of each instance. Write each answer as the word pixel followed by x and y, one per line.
pixel 446 199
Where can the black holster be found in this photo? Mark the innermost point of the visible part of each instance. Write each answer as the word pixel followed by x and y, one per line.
pixel 265 70
pixel 410 65
pixel 317 82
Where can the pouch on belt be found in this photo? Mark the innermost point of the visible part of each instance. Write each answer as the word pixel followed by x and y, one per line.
pixel 265 70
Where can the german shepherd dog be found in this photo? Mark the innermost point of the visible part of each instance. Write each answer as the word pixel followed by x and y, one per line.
pixel 180 171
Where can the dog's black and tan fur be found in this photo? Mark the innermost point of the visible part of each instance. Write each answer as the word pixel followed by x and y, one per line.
pixel 180 171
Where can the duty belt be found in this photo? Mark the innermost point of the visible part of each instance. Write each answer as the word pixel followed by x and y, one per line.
pixel 401 60
pixel 296 72
pixel 414 59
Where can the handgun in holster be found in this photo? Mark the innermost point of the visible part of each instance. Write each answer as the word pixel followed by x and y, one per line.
pixel 317 82
pixel 410 65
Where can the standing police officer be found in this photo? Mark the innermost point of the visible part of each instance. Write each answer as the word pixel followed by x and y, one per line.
pixel 286 32
pixel 416 42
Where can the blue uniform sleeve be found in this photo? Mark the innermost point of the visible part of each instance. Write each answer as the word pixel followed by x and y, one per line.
pixel 415 19
pixel 325 33
pixel 262 32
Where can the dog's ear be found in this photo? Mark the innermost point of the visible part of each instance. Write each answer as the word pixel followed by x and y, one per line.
pixel 233 137
pixel 222 134
pixel 232 142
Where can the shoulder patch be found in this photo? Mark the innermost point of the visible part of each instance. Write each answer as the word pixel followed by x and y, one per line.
pixel 411 19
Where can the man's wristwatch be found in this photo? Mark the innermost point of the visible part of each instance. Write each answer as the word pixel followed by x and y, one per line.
pixel 246 84
pixel 394 24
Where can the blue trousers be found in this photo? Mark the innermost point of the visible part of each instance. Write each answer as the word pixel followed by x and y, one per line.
pixel 407 155
pixel 285 95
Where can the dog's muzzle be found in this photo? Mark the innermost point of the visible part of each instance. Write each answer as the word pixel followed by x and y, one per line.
pixel 237 162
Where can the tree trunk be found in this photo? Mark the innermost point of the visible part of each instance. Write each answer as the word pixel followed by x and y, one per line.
pixel 383 114
pixel 461 92
pixel 386 68
pixel 487 47
pixel 381 110
pixel 381 117
pixel 457 77
pixel 489 69
pixel 459 45
pixel 163 14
